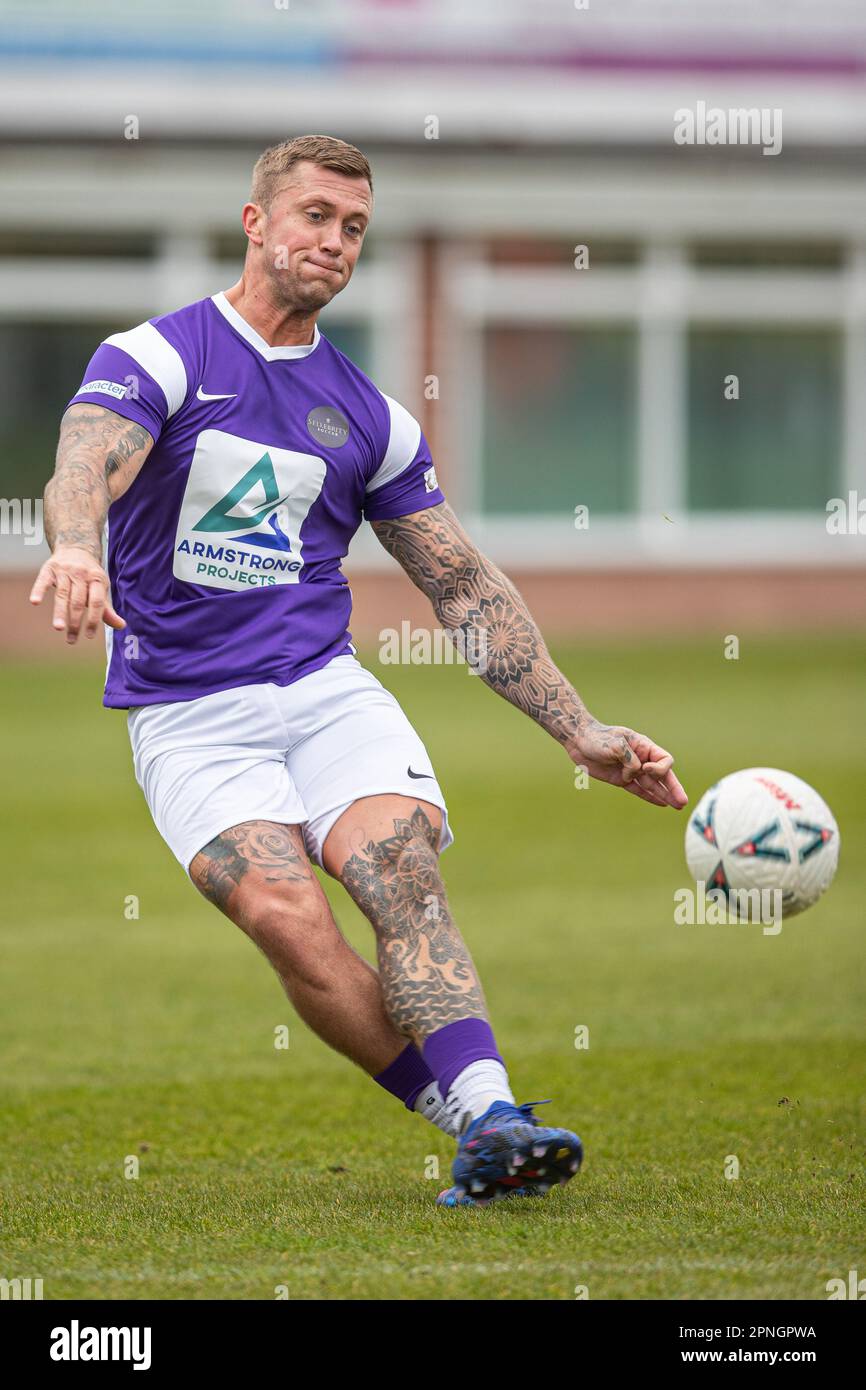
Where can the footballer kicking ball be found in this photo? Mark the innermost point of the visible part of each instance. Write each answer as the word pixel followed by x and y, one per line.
pixel 767 830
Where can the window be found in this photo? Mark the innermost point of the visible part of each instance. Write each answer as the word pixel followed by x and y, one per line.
pixel 351 338
pixel 559 420
pixel 778 446
pixel 44 365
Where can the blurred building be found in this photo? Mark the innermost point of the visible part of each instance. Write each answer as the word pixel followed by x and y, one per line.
pixel 562 292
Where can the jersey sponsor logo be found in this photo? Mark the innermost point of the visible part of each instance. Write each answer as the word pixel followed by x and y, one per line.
pixel 242 512
pixel 201 395
pixel 328 426
pixel 105 388
pixel 430 483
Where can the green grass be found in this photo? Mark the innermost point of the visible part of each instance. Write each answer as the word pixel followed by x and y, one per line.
pixel 258 1168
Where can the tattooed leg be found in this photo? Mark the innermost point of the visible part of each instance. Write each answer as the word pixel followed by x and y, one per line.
pixel 259 875
pixel 384 849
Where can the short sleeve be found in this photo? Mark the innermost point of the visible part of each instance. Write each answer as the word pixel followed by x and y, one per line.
pixel 137 374
pixel 405 480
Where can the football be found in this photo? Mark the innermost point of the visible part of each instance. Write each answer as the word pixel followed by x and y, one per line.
pixel 763 829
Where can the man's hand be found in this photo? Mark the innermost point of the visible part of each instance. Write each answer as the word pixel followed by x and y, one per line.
pixel 469 594
pixel 99 456
pixel 80 592
pixel 630 760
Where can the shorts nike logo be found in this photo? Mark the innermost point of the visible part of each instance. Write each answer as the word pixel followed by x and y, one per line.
pixel 203 396
pixel 420 774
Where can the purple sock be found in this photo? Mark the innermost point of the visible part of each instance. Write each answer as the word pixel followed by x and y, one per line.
pixel 407 1076
pixel 450 1050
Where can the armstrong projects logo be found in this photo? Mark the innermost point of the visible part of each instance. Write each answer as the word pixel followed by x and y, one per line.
pixel 242 513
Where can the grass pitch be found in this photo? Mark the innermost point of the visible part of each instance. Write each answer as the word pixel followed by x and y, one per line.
pixel 152 1038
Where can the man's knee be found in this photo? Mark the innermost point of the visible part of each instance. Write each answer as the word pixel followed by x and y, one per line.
pixel 296 930
pixel 380 830
pixel 395 879
pixel 258 874
pixel 249 857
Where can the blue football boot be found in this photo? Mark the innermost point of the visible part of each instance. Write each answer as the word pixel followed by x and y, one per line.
pixel 508 1148
pixel 456 1197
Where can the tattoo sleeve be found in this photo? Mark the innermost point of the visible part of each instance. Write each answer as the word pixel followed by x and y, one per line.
pixel 470 595
pixel 99 455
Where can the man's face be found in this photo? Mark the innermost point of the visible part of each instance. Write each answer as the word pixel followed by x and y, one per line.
pixel 313 233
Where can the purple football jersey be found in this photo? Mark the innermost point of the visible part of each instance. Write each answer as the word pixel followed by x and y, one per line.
pixel 224 555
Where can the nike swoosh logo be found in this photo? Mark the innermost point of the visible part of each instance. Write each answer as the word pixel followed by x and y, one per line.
pixel 420 774
pixel 204 396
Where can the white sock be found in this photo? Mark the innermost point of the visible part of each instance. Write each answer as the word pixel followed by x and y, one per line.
pixel 430 1104
pixel 475 1089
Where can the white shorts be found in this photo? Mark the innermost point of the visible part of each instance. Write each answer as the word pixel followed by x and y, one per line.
pixel 297 754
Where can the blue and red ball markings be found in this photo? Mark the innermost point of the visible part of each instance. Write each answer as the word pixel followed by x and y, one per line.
pixel 706 827
pixel 755 846
pixel 821 835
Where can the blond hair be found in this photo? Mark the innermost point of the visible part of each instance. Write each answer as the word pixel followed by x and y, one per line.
pixel 326 150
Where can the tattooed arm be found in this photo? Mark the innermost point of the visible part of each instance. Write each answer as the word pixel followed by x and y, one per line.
pixel 472 596
pixel 98 457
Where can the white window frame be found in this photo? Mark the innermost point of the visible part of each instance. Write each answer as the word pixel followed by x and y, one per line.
pixel 663 296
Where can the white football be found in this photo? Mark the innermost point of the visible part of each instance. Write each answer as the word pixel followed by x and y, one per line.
pixel 765 829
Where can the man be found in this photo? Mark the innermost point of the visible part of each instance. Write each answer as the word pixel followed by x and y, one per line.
pixel 238 451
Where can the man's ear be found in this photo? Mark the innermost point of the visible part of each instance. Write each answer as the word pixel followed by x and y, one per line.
pixel 253 218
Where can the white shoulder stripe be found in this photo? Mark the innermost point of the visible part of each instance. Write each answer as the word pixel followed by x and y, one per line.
pixel 158 358
pixel 402 445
